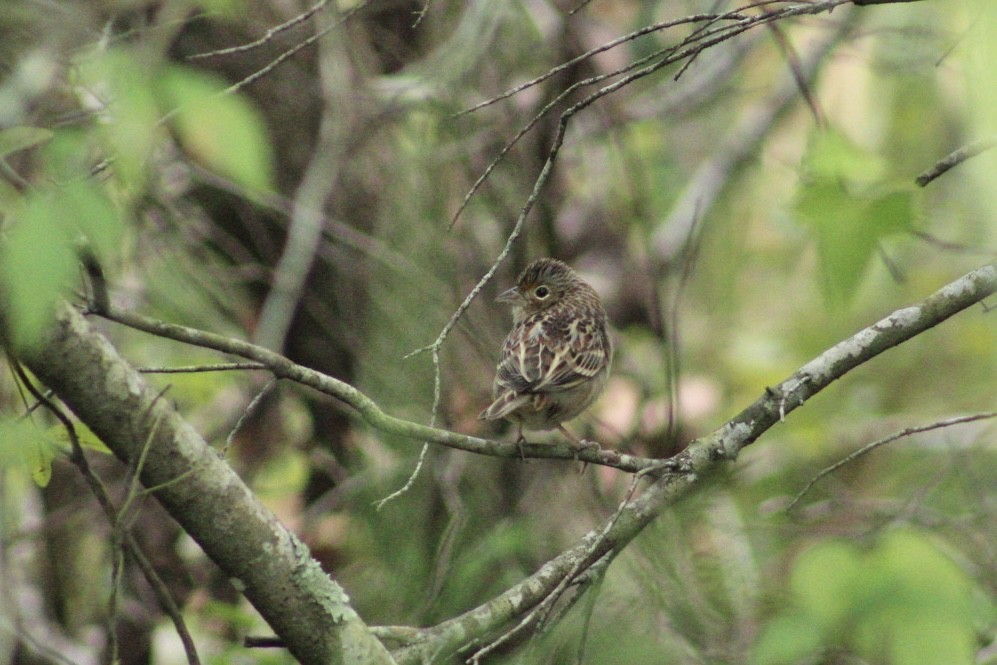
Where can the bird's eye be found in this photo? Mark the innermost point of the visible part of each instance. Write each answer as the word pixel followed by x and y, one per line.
pixel 541 292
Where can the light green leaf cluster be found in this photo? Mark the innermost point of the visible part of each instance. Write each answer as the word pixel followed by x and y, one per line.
pixel 38 261
pixel 901 601
pixel 850 205
pixel 89 178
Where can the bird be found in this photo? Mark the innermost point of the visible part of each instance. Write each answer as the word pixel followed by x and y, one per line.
pixel 556 359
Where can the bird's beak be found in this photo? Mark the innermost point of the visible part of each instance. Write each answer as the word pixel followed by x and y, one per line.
pixel 510 297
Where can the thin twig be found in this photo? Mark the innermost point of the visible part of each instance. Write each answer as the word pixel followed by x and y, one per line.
pixel 688 48
pixel 947 245
pixel 552 153
pixel 868 448
pixel 655 27
pixel 249 410
pixel 956 158
pixel 193 369
pixel 800 75
pixel 421 14
pixel 267 36
pixel 379 504
pixel 692 245
pixel 667 52
pixel 273 64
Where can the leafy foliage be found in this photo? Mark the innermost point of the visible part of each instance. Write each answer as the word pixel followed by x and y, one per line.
pixel 185 190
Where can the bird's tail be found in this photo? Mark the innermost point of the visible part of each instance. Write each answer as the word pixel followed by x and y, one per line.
pixel 503 405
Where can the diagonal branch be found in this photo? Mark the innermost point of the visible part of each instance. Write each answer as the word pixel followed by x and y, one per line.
pixel 702 456
pixel 272 568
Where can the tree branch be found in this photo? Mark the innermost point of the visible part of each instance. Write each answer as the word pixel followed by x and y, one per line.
pixel 366 408
pixel 955 158
pixel 305 607
pixel 274 569
pixel 869 447
pixel 702 456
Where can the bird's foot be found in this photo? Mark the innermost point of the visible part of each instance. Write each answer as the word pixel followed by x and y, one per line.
pixel 520 440
pixel 583 444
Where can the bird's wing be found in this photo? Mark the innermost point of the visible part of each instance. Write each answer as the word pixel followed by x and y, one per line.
pixel 535 359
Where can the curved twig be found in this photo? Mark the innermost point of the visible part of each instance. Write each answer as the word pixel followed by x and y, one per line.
pixel 868 448
pixel 366 408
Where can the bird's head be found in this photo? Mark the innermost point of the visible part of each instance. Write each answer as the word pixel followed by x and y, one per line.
pixel 543 283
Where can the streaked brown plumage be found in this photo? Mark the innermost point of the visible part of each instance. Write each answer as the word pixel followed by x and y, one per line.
pixel 556 359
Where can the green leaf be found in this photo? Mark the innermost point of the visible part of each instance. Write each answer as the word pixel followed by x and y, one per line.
pixel 11 199
pixel 787 639
pixel 824 580
pixel 129 133
pixel 19 138
pixel 22 444
pixel 87 209
pixel 219 129
pixel 899 601
pixel 38 458
pixel 850 210
pixel 68 156
pixel 830 155
pixel 844 246
pixel 37 265
pixel 88 440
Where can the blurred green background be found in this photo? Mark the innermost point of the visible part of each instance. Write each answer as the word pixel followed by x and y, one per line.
pixel 734 231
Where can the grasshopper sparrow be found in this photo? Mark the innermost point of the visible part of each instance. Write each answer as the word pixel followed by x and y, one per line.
pixel 556 359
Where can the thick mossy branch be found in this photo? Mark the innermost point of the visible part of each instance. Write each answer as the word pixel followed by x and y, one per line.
pixel 200 490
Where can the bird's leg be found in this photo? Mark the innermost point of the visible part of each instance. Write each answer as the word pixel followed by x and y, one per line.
pixel 520 440
pixel 580 444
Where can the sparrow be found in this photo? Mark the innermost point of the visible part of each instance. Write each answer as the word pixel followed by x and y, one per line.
pixel 556 359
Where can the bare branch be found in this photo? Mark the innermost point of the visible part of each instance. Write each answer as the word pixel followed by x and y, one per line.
pixel 194 369
pixel 655 27
pixel 868 448
pixel 248 411
pixel 956 158
pixel 267 36
pixel 273 64
pixel 126 539
pixel 861 3
pixel 271 566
